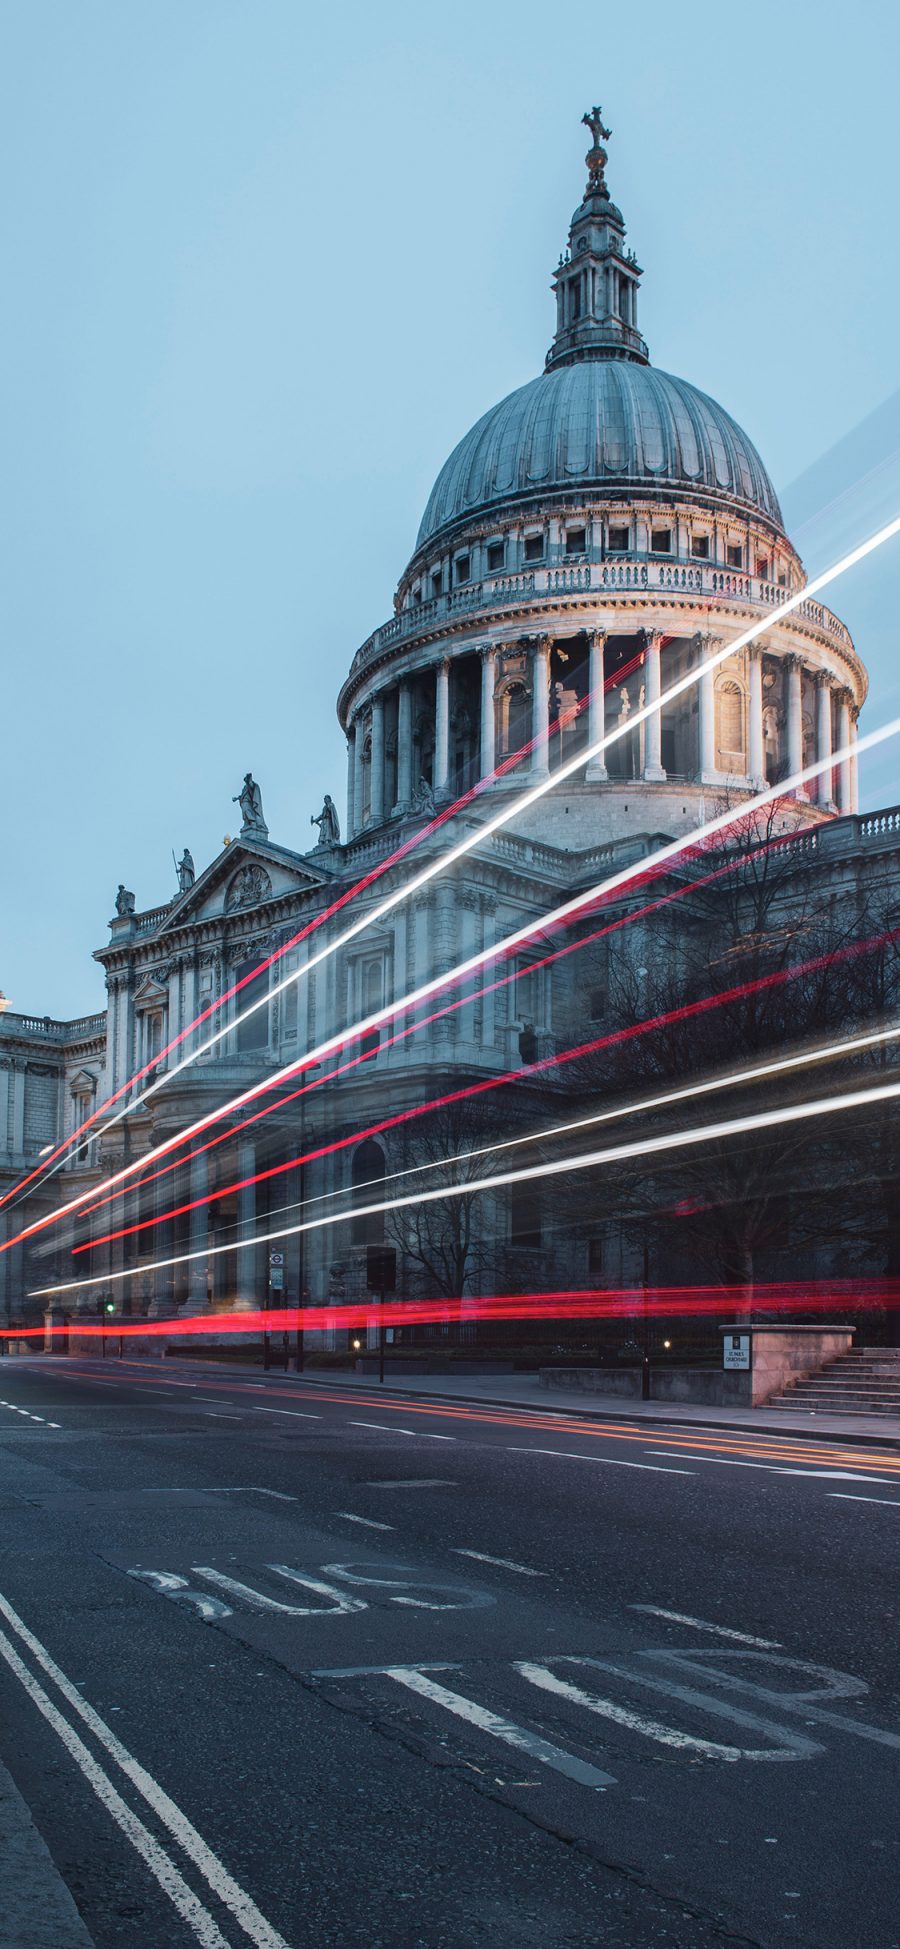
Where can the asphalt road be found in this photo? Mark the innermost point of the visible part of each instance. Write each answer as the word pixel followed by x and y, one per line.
pixel 280 1666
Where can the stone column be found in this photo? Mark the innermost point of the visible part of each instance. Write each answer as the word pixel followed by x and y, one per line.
pixel 596 771
pixel 844 777
pixel 247 1297
pixel 540 706
pixel 404 748
pixel 854 762
pixel 756 753
pixel 198 1232
pixel 376 793
pixel 825 786
pixel 488 669
pixel 439 783
pixel 706 646
pixel 358 782
pixel 653 769
pixel 351 778
pixel 794 716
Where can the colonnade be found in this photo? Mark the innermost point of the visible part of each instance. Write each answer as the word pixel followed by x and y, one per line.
pixel 831 789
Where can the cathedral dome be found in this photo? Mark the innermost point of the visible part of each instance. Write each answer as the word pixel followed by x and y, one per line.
pixel 601 426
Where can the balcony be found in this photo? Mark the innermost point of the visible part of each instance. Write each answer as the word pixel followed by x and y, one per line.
pixel 639 574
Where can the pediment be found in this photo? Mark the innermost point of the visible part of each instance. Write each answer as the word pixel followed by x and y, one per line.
pixel 150 994
pixel 245 877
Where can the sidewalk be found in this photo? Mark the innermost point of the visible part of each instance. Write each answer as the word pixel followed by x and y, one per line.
pixel 36 1909
pixel 523 1391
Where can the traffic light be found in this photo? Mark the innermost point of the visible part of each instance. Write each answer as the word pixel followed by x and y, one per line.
pixel 109 1306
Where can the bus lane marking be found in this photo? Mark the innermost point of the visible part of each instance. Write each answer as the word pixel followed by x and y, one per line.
pixel 700 1624
pixel 413 1677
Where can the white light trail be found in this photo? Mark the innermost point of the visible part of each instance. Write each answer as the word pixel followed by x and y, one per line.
pixel 586 1160
pixel 526 799
pixel 639 869
pixel 830 1052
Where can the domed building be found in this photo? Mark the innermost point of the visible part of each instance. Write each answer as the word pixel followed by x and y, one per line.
pixel 589 540
pixel 587 543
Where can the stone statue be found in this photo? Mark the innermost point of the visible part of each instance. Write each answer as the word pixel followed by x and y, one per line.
pixel 328 823
pixel 185 870
pixel 425 799
pixel 124 902
pixel 249 798
pixel 625 705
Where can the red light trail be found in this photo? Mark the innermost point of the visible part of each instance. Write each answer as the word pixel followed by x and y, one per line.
pixel 612 1039
pixel 585 1160
pixel 528 798
pixel 577 1303
pixel 636 874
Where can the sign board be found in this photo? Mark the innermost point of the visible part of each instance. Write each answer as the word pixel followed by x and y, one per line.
pixel 736 1350
pixel 381 1268
pixel 276 1258
pixel 276 1278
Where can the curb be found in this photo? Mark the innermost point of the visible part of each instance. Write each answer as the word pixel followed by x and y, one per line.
pixel 36 1908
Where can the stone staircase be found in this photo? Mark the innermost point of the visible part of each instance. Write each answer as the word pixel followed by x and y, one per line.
pixel 866 1381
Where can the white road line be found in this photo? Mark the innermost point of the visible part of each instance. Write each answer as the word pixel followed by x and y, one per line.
pixel 599 1461
pixel 227 1890
pixel 28 1416
pixel 884 1502
pixel 503 1562
pixel 416 1482
pixel 418 1434
pixel 505 1729
pixel 700 1624
pixel 297 1413
pixel 242 1489
pixel 172 1883
pixel 366 1521
pixel 774 1468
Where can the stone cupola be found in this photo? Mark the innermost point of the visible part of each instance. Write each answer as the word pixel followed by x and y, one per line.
pixel 596 282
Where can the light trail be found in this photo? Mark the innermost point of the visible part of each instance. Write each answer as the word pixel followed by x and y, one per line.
pixel 613 1038
pixel 574 1304
pixel 728 866
pixel 74 1144
pixel 736 1079
pixel 566 770
pixel 522 804
pixel 587 1160
pixel 499 950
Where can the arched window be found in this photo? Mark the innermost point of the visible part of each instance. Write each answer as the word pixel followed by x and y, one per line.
pixel 366 807
pixel 729 727
pixel 367 1179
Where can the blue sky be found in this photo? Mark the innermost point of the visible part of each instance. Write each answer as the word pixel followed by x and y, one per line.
pixel 266 263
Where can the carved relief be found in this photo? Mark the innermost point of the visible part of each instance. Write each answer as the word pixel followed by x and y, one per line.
pixel 249 886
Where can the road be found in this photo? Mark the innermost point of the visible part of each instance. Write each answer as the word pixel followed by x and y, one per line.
pixel 287 1664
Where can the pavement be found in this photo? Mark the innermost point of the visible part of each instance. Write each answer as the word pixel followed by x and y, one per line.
pixel 36 1909
pixel 524 1390
pixel 372 1669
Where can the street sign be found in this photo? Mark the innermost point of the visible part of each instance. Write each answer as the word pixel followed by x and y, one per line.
pixel 736 1350
pixel 276 1258
pixel 276 1278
